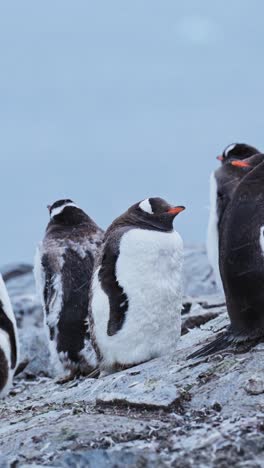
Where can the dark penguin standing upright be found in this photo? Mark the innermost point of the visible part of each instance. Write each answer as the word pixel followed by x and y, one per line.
pixel 241 258
pixel 222 183
pixel 9 346
pixel 63 271
pixel 136 294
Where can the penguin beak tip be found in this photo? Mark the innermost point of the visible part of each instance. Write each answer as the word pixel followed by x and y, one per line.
pixel 176 210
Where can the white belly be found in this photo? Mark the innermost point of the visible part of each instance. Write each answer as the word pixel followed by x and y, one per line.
pixel 149 269
pixel 212 233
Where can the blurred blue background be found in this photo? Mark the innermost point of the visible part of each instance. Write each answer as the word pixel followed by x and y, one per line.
pixel 109 102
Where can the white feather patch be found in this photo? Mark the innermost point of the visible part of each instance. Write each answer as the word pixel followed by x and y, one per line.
pixel 57 211
pixel 261 239
pixel 146 206
pixel 229 148
pixel 212 232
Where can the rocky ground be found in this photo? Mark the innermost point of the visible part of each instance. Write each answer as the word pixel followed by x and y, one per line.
pixel 167 412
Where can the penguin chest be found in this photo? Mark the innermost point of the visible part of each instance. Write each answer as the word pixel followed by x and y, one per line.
pixel 149 270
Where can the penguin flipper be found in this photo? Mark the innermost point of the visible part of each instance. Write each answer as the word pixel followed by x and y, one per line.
pixel 118 300
pixel 219 344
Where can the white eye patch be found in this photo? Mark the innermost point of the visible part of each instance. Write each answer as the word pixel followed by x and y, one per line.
pixel 146 206
pixel 57 211
pixel 229 148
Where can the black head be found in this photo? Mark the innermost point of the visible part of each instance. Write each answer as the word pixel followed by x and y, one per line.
pixel 237 151
pixel 229 176
pixel 66 212
pixel 151 213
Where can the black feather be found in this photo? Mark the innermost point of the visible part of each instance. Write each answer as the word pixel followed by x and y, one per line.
pixel 220 343
pixel 118 300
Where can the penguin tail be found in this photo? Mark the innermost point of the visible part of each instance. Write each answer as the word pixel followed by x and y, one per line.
pixel 21 367
pixel 94 374
pixel 219 344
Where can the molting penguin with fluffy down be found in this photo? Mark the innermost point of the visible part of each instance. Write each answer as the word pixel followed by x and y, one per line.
pixel 222 183
pixel 63 270
pixel 136 293
pixel 9 346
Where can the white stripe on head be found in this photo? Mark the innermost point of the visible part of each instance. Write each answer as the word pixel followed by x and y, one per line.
pixel 146 206
pixel 59 210
pixel 229 148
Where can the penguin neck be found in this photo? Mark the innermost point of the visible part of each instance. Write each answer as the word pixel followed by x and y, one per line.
pixel 132 221
pixel 66 223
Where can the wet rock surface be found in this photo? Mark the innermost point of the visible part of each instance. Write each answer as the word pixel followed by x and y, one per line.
pixel 167 412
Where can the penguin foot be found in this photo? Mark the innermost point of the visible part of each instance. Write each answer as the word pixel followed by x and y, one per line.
pixel 240 344
pixel 67 378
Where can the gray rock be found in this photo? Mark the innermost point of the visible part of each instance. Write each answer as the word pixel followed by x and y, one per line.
pixel 166 412
pixel 198 275
pixel 255 385
pixel 34 352
pixel 111 459
pixel 21 287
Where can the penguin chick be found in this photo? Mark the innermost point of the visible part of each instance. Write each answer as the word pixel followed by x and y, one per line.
pixel 136 294
pixel 63 270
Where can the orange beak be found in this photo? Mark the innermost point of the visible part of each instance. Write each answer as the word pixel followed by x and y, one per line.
pixel 176 210
pixel 220 158
pixel 238 163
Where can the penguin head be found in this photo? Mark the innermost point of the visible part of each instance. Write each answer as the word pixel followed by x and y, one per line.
pixel 237 151
pixel 154 212
pixel 65 212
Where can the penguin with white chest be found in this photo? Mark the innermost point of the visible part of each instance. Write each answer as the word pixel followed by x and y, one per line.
pixel 136 293
pixel 63 270
pixel 9 345
pixel 222 183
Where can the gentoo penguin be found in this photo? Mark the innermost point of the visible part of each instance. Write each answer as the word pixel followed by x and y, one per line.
pixel 221 187
pixel 241 259
pixel 63 270
pixel 136 293
pixel 9 346
pixel 237 151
